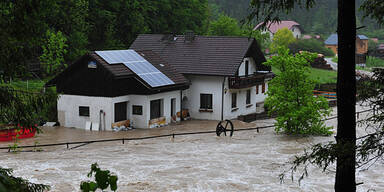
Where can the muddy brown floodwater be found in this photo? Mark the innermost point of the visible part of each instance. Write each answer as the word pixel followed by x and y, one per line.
pixel 249 161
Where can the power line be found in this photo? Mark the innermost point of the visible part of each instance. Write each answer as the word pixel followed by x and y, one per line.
pixel 83 143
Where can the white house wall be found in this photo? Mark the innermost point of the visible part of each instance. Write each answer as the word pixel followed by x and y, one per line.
pixel 142 121
pixel 241 107
pixel 296 31
pixel 68 110
pixel 139 121
pixel 251 66
pixel 166 96
pixel 204 85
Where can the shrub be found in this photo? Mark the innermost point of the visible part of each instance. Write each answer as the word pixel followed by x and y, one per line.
pixel 310 45
pixel 374 62
pixel 103 178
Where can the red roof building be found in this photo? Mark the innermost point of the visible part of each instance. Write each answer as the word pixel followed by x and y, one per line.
pixel 273 27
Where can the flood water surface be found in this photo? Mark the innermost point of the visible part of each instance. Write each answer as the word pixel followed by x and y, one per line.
pixel 249 161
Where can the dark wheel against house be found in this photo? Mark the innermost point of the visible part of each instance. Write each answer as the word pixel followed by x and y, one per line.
pixel 224 127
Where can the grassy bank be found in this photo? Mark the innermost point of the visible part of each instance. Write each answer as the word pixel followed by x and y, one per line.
pixel 27 85
pixel 374 62
pixel 321 76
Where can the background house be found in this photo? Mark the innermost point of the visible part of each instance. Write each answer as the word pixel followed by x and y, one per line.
pixel 272 28
pixel 206 77
pixel 361 43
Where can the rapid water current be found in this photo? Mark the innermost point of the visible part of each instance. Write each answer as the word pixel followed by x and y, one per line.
pixel 249 161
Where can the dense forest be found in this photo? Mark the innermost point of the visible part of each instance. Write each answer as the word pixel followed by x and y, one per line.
pixel 83 25
pixel 57 32
pixel 321 19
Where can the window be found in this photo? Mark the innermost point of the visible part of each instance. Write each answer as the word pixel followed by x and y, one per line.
pixel 257 89
pixel 263 88
pixel 205 101
pixel 246 68
pixel 234 100
pixel 248 99
pixel 156 108
pixel 92 65
pixel 120 111
pixel 84 111
pixel 137 110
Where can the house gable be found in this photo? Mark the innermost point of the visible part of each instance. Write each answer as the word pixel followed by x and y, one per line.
pixel 102 79
pixel 80 79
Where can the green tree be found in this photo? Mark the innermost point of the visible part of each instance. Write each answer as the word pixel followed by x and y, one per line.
pixel 290 96
pixel 282 38
pixel 225 26
pixel 54 49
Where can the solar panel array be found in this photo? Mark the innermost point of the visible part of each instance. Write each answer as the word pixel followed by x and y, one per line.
pixel 136 63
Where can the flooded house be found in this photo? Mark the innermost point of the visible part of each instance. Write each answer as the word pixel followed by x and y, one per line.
pixel 162 79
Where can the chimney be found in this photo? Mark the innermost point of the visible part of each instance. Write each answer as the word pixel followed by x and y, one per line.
pixel 169 37
pixel 189 36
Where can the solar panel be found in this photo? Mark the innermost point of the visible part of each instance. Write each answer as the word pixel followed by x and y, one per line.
pixel 136 63
pixel 120 56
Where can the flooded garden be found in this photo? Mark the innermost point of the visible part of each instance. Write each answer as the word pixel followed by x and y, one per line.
pixel 249 161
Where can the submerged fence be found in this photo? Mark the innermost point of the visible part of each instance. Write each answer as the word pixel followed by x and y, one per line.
pixel 83 143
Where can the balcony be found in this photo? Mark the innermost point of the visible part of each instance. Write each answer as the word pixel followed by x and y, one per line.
pixel 241 82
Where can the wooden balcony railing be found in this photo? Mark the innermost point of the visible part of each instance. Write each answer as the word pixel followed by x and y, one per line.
pixel 240 82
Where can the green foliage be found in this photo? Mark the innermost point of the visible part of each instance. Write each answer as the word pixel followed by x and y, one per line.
pixel 24 108
pixel 28 85
pixel 87 25
pixel 282 38
pixel 54 49
pixel 374 62
pixel 290 96
pixel 319 76
pixel 335 59
pixel 225 26
pixel 14 148
pixel 103 178
pixel 374 9
pixel 322 76
pixel 320 18
pixel 310 45
pixel 372 47
pixel 9 183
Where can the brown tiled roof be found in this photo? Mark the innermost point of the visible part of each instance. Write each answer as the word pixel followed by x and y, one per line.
pixel 205 55
pixel 120 71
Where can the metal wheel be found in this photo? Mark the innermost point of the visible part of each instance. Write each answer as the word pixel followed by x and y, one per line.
pixel 223 127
